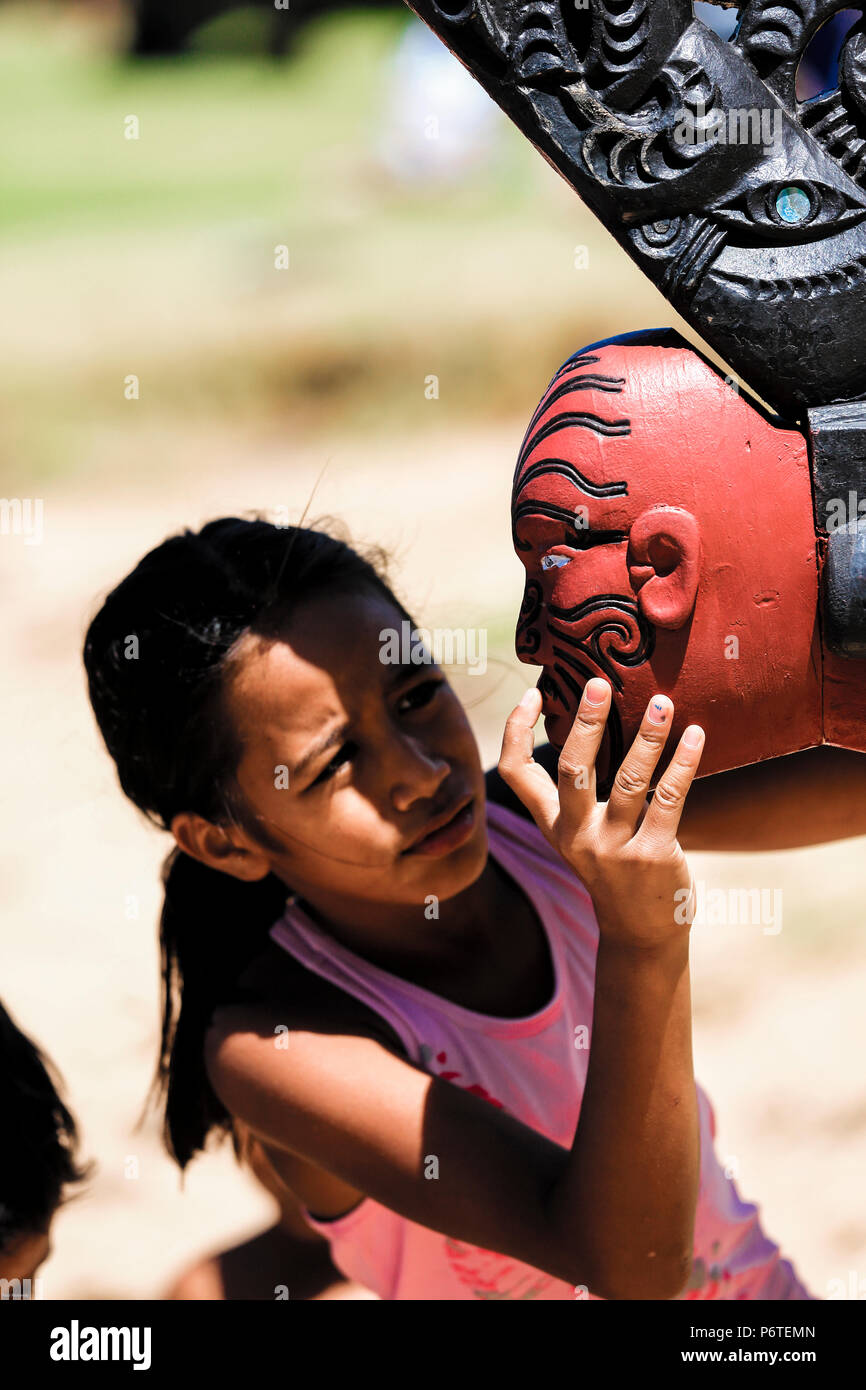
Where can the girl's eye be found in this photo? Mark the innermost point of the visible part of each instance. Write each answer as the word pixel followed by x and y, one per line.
pixel 421 695
pixel 416 698
pixel 343 754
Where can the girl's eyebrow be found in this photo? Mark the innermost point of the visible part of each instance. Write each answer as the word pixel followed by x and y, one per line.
pixel 325 741
pixel 401 674
pixel 403 671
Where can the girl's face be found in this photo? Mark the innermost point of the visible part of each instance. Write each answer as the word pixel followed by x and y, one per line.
pixel 348 761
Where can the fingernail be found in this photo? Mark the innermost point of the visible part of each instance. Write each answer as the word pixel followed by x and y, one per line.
pixel 529 696
pixel 693 736
pixel 659 711
pixel 595 691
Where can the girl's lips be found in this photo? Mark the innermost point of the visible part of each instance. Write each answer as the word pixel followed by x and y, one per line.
pixel 456 832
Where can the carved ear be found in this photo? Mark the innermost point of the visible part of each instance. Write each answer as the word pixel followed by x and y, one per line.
pixel 664 551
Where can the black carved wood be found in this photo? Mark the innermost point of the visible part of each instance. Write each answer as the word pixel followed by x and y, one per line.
pixel 745 206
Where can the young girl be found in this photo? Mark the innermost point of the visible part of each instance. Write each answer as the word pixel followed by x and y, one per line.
pixel 391 984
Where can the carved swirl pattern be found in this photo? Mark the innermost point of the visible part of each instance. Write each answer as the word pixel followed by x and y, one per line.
pixel 775 37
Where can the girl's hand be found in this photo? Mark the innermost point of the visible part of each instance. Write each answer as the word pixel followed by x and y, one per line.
pixel 633 868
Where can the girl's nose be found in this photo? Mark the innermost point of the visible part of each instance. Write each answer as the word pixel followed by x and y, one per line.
pixel 418 775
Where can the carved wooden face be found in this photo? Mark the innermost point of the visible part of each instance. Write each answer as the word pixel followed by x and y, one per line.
pixel 666 528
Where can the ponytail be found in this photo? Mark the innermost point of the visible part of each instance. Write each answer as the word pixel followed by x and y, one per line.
pixel 211 927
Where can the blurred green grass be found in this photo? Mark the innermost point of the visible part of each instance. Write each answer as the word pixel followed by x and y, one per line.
pixel 156 256
pixel 218 133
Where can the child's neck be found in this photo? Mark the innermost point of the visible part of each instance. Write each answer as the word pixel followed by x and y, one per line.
pixel 404 940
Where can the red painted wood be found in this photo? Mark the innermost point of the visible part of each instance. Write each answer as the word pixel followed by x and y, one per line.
pixel 710 556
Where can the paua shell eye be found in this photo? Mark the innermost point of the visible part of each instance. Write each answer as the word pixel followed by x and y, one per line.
pixel 793 204
pixel 804 211
pixel 549 562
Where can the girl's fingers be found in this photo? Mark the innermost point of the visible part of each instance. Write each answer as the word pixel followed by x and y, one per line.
pixel 527 778
pixel 576 770
pixel 631 783
pixel 662 820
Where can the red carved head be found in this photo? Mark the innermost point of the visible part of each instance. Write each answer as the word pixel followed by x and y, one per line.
pixel 666 526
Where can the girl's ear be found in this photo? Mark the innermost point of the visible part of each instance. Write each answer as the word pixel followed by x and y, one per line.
pixel 214 846
pixel 664 555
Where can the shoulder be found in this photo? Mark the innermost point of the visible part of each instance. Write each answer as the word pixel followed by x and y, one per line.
pixel 277 993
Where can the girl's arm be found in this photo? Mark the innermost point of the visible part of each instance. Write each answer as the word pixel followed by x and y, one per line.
pixel 636 1154
pixel 615 1212
pixel 807 798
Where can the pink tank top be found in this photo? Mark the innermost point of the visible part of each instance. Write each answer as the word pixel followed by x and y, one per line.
pixel 535 1069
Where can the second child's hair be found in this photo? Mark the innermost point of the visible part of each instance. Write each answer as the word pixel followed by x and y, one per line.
pixel 38 1153
pixel 157 656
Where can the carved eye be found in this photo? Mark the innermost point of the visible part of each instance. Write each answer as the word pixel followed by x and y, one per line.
pixel 794 204
pixel 802 211
pixel 549 562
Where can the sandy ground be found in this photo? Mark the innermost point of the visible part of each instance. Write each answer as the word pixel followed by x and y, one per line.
pixel 780 1027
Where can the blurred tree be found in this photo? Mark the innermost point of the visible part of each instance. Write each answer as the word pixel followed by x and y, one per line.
pixel 164 27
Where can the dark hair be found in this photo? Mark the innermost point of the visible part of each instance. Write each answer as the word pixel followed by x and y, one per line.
pixel 38 1155
pixel 157 655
